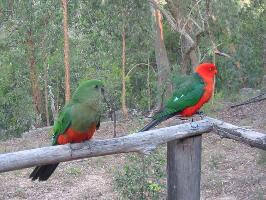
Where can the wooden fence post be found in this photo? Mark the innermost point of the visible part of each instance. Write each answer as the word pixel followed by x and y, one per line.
pixel 183 169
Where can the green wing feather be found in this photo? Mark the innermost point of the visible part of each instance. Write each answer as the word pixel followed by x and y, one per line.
pixel 186 94
pixel 83 109
pixel 62 123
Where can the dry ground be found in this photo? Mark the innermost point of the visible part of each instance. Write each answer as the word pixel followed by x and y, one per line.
pixel 230 170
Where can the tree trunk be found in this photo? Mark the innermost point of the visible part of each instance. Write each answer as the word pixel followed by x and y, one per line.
pixel 123 96
pixel 164 88
pixel 185 68
pixel 148 86
pixel 264 63
pixel 57 106
pixel 46 93
pixel 45 68
pixel 54 109
pixel 190 59
pixel 264 54
pixel 36 93
pixel 66 53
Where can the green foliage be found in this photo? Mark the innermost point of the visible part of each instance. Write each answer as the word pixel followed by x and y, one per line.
pixel 214 161
pixel 74 171
pixel 215 105
pixel 95 51
pixel 137 87
pixel 16 111
pixel 262 157
pixel 143 177
pixel 243 39
pixel 95 47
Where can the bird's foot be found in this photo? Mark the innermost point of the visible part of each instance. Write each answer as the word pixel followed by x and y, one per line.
pixel 183 118
pixel 194 125
pixel 80 145
pixel 201 114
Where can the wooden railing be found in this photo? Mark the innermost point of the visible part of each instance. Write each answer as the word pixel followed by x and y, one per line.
pixel 183 152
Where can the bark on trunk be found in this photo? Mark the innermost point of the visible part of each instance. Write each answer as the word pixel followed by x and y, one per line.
pixel 164 88
pixel 54 109
pixel 46 93
pixel 190 59
pixel 66 53
pixel 264 54
pixel 123 96
pixel 148 86
pixel 45 68
pixel 36 93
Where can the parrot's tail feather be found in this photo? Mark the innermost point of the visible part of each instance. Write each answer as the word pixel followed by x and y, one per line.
pixel 150 125
pixel 43 172
pixel 155 122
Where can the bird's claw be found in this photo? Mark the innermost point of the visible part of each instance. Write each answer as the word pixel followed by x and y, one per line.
pixel 77 146
pixel 201 114
pixel 194 125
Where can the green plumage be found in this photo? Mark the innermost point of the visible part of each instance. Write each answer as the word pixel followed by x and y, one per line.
pixel 84 108
pixel 187 93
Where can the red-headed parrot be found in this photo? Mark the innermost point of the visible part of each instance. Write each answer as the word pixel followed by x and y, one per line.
pixel 77 122
pixel 189 96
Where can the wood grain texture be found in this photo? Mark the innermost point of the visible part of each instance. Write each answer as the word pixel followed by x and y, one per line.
pixel 247 136
pixel 143 142
pixel 183 169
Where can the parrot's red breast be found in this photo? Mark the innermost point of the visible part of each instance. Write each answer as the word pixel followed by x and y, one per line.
pixel 189 111
pixel 207 74
pixel 74 136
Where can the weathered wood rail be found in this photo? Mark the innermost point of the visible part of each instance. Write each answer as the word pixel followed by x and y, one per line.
pixel 183 151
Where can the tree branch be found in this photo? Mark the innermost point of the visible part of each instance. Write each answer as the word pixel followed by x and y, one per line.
pixel 171 20
pixel 257 98
pixel 138 142
pixel 247 136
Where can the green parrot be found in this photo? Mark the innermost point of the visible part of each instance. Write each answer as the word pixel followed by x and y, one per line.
pixel 77 122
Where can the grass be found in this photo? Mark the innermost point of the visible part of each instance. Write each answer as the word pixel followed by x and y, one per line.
pixel 142 177
pixel 74 171
pixel 260 195
pixel 262 158
pixel 214 162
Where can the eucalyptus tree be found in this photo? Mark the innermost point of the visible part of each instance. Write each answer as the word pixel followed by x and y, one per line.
pixel 29 38
pixel 114 36
pixel 239 28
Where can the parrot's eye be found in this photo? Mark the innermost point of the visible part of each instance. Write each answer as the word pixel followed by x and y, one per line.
pixel 96 86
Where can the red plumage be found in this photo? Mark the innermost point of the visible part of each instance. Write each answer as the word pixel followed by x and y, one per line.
pixel 73 136
pixel 207 72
